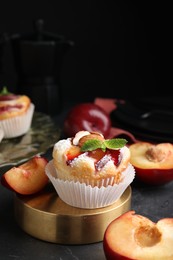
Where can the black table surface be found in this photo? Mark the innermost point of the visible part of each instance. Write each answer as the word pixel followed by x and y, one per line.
pixel 154 202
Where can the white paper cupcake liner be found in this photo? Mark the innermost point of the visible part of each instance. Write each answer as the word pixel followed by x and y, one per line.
pixel 1 134
pixel 18 125
pixel 85 196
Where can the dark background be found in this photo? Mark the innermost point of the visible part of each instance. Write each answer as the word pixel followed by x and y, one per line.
pixel 121 50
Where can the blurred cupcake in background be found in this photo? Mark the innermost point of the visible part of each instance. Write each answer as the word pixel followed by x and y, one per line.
pixel 16 113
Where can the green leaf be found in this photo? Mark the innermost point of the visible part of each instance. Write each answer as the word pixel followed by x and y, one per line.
pixel 115 143
pixel 93 144
pixel 4 91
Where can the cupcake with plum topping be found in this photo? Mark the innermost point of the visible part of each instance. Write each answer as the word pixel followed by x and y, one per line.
pixel 16 113
pixel 88 171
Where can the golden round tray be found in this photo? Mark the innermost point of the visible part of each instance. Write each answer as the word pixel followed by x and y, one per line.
pixel 46 217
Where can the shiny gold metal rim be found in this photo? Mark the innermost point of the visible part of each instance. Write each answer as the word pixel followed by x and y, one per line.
pixel 46 217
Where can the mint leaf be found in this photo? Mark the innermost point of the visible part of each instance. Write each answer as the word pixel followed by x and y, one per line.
pixel 93 144
pixel 4 91
pixel 115 143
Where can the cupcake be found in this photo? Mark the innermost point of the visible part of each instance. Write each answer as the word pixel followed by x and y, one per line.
pixel 16 113
pixel 88 171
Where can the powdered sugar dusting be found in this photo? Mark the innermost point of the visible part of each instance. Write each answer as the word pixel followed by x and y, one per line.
pixel 83 158
pixel 63 145
pixel 100 164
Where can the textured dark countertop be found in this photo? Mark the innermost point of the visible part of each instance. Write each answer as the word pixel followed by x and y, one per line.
pixel 153 202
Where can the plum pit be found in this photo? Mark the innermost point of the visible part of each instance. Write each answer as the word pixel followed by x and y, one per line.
pixel 147 236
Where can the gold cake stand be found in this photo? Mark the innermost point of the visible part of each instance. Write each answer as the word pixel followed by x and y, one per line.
pixel 46 217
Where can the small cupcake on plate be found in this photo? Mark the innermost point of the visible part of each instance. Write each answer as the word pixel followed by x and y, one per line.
pixel 89 171
pixel 16 113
